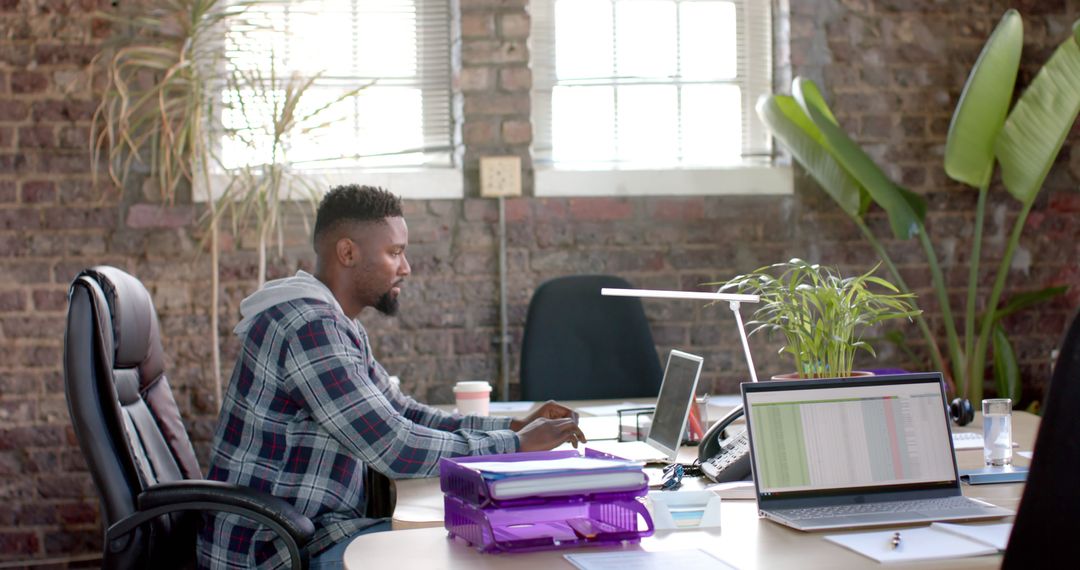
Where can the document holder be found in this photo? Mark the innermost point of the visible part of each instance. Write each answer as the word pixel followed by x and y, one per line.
pixel 524 524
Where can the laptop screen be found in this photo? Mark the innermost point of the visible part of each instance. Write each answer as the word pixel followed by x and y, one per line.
pixel 676 395
pixel 848 435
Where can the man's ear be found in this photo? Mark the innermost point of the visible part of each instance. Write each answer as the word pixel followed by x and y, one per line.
pixel 348 254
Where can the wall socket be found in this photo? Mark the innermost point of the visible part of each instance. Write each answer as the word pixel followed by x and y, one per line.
pixel 500 176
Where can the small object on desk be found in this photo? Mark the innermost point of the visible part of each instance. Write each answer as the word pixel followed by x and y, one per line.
pixel 685 510
pixel 895 540
pixel 986 475
pixel 919 545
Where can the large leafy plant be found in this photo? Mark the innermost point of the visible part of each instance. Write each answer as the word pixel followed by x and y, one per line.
pixel 821 315
pixel 1023 141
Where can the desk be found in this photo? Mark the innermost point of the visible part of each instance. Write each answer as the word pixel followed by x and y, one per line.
pixel 743 539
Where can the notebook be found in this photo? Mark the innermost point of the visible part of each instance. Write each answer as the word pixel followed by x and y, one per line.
pixel 840 453
pixel 669 419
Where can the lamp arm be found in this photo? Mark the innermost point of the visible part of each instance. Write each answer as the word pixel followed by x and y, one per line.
pixel 733 299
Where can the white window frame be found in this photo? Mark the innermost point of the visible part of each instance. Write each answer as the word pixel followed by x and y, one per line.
pixel 409 181
pixel 759 174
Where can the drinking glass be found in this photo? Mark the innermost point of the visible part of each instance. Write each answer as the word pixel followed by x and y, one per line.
pixel 997 431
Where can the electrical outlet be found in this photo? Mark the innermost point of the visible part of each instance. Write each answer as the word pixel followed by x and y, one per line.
pixel 500 176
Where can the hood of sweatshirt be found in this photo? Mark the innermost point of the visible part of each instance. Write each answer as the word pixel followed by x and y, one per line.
pixel 303 285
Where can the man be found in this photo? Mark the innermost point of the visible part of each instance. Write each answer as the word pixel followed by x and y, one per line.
pixel 308 406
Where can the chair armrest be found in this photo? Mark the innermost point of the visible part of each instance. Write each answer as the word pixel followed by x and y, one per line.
pixel 281 511
pixel 279 515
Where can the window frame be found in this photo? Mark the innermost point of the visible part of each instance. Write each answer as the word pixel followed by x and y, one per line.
pixel 758 173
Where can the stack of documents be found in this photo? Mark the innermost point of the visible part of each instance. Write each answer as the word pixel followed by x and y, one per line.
pixel 939 541
pixel 564 476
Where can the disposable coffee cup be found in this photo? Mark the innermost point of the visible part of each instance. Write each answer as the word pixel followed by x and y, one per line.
pixel 473 397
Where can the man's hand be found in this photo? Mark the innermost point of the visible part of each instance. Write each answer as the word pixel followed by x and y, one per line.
pixel 543 434
pixel 550 409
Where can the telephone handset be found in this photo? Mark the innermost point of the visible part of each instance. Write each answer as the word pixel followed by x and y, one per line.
pixel 723 456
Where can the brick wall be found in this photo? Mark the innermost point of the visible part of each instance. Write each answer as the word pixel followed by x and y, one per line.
pixel 892 70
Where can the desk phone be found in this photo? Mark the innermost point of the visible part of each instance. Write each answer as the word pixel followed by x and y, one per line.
pixel 725 457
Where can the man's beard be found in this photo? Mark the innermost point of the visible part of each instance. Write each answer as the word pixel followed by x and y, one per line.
pixel 387 304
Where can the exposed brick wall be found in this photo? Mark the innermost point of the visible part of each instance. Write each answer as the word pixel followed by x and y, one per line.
pixel 891 69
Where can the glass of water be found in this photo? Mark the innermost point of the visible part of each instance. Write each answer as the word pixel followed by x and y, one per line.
pixel 997 431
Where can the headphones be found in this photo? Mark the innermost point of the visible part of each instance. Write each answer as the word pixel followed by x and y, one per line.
pixel 961 411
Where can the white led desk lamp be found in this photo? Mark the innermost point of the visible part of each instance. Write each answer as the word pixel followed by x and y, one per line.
pixel 733 300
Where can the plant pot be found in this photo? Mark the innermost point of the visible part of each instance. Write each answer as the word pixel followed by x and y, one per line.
pixel 797 376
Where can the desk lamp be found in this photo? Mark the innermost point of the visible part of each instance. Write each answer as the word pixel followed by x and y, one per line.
pixel 733 300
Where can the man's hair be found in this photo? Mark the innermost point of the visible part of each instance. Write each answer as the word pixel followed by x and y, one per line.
pixel 354 203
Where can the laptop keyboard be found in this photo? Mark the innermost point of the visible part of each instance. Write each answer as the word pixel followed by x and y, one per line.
pixel 923 505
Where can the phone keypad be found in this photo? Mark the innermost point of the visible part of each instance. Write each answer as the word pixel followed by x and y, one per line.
pixel 730 452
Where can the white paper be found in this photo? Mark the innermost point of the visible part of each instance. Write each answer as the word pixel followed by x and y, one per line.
pixel 916 544
pixel 633 450
pixel 599 428
pixel 643 560
pixel 1026 454
pixel 734 490
pixel 996 535
pixel 565 464
pixel 510 407
pixel 967 440
pixel 610 409
pixel 725 401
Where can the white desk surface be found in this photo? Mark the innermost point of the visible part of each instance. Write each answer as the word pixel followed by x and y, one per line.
pixel 744 540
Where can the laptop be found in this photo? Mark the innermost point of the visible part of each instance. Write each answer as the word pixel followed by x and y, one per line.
pixel 669 418
pixel 855 452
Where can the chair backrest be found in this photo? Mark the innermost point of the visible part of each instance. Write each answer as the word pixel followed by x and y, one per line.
pixel 579 345
pixel 123 411
pixel 1051 501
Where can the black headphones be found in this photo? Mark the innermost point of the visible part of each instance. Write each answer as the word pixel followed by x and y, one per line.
pixel 961 412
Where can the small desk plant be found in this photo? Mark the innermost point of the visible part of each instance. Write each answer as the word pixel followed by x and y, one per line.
pixel 821 314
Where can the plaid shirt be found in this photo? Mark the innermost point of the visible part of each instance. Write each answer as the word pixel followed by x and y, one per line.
pixel 307 407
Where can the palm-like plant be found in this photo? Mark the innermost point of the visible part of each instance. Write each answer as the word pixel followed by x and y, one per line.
pixel 821 314
pixel 983 131
pixel 156 109
pixel 268 109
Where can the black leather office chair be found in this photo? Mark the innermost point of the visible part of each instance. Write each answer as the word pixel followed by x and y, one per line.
pixel 133 439
pixel 1045 522
pixel 579 345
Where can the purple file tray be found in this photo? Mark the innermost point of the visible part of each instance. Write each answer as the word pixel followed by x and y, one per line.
pixel 457 480
pixel 551 525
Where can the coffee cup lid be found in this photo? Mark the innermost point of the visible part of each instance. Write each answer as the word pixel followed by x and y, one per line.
pixel 472 387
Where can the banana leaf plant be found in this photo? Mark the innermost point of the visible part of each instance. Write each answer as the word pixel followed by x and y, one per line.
pixel 1024 141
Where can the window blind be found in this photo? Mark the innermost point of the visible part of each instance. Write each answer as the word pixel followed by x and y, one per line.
pixel 398 49
pixel 650 83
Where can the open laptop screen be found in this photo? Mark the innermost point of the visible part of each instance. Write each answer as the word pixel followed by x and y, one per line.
pixel 676 396
pixel 847 435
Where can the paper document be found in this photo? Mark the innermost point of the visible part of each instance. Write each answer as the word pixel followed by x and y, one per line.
pixel 597 428
pixel 916 545
pixel 996 535
pixel 642 560
pixel 609 410
pixel 500 469
pixel 510 407
pixel 734 490
pixel 964 440
pixel 633 450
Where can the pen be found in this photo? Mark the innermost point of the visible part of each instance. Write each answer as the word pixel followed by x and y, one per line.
pixel 895 540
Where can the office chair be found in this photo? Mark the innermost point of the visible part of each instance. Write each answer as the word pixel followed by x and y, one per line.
pixel 579 345
pixel 1051 500
pixel 135 444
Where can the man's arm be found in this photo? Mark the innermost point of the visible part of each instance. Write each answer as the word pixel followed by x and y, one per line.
pixel 326 368
pixel 433 417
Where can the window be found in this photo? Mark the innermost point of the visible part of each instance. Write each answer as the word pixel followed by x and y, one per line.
pixel 650 84
pixel 399 49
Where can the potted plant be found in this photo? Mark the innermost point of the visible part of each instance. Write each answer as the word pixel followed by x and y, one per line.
pixel 821 314
pixel 989 127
